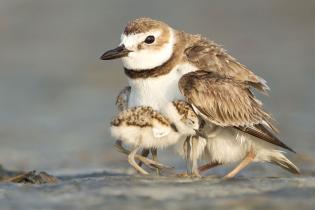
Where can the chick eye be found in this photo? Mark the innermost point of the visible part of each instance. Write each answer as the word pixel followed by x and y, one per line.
pixel 149 40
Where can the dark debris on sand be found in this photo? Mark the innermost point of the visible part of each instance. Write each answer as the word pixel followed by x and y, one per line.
pixel 31 177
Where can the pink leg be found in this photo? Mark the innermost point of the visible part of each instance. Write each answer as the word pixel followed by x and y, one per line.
pixel 247 160
pixel 207 166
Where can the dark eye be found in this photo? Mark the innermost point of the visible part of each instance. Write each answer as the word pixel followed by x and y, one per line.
pixel 149 40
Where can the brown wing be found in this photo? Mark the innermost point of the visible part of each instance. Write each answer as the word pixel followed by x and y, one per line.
pixel 261 132
pixel 210 56
pixel 228 103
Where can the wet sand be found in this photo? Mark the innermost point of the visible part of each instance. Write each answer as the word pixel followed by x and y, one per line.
pixel 113 190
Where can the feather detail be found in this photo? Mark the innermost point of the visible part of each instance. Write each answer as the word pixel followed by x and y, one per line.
pixel 210 56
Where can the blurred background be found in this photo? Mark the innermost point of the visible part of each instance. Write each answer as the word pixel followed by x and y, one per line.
pixel 57 98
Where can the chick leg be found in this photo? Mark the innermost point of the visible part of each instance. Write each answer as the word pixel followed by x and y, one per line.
pixel 195 170
pixel 194 141
pixel 146 161
pixel 188 149
pixel 144 153
pixel 207 166
pixel 191 159
pixel 245 162
pixel 155 158
pixel 132 161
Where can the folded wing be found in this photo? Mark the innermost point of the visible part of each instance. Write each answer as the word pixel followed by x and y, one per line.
pixel 228 103
pixel 208 55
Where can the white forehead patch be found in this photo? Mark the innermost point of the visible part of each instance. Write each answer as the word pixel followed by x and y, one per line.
pixel 132 40
pixel 147 58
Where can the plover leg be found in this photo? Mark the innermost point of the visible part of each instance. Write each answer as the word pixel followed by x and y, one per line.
pixel 207 166
pixel 245 162
pixel 144 153
pixel 150 163
pixel 155 158
pixel 132 161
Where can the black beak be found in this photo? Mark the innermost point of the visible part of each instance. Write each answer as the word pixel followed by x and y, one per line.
pixel 118 52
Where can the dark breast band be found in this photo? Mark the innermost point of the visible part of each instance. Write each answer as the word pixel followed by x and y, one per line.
pixel 154 72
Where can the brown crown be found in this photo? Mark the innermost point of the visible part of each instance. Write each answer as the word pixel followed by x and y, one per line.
pixel 142 25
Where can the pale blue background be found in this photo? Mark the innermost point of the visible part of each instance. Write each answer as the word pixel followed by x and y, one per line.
pixel 57 97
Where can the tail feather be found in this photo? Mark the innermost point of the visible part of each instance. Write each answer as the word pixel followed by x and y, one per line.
pixel 284 163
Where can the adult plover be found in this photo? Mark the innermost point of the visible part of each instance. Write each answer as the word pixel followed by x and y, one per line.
pixel 144 127
pixel 156 56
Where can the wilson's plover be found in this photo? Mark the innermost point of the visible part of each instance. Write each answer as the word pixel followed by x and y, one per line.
pixel 156 56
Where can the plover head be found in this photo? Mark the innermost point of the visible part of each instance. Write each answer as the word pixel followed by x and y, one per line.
pixel 145 44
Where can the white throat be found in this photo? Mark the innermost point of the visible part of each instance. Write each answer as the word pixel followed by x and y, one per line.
pixel 157 92
pixel 146 58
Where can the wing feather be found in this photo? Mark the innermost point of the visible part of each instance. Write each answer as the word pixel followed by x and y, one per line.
pixel 228 103
pixel 210 56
